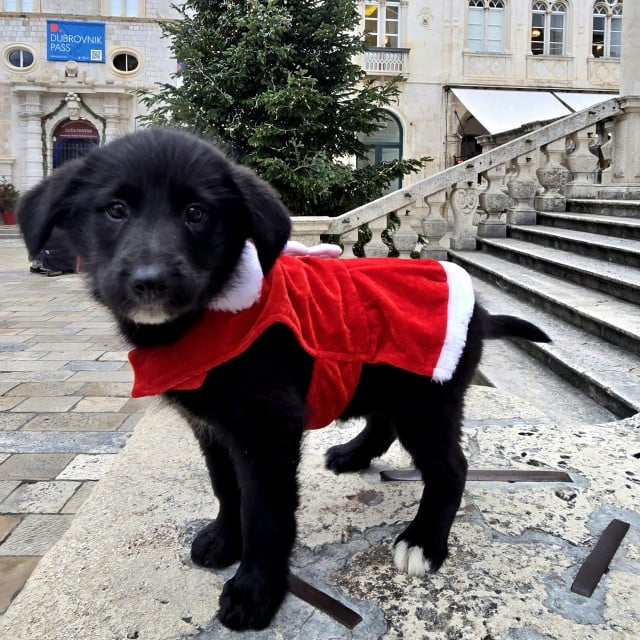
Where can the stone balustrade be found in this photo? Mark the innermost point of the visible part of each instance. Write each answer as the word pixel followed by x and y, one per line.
pixel 537 171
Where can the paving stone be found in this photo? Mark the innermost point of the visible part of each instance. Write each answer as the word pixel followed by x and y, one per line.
pixel 48 404
pixel 6 387
pixel 13 421
pixel 34 466
pixel 87 467
pixel 28 442
pixel 35 535
pixel 131 422
pixel 31 365
pixel 137 405
pixel 81 494
pixel 7 525
pixel 9 402
pixel 6 486
pixel 75 422
pixel 115 389
pixel 39 497
pixel 97 404
pixel 94 365
pixel 15 572
pixel 72 355
pixel 122 356
pixel 40 376
pixel 53 389
pixel 102 376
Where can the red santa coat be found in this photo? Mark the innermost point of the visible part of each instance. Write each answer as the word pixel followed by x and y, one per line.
pixel 411 314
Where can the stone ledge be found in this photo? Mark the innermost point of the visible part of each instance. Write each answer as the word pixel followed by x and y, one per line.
pixel 122 569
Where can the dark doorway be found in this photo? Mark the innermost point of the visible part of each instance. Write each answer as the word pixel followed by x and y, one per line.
pixel 73 139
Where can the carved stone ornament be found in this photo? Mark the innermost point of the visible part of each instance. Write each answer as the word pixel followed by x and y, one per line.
pixel 73 105
pixel 425 17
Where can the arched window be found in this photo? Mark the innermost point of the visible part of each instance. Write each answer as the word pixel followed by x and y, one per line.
pixel 382 24
pixel 385 144
pixel 486 26
pixel 548 28
pixel 606 41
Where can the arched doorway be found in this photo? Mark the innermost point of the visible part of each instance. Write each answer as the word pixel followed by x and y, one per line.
pixel 385 144
pixel 73 139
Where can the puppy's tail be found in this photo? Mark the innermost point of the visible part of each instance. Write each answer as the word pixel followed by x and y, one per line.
pixel 499 326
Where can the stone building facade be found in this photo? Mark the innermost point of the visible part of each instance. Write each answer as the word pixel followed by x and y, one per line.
pixel 69 71
pixel 468 68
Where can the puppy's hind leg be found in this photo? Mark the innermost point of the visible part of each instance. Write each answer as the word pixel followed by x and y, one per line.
pixel 436 452
pixel 219 544
pixel 377 436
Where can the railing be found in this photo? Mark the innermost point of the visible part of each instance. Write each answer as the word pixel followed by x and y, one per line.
pixel 508 184
pixel 385 61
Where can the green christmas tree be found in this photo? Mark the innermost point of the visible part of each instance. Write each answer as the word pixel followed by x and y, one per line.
pixel 275 84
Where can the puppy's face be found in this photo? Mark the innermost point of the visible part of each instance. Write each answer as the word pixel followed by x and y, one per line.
pixel 159 219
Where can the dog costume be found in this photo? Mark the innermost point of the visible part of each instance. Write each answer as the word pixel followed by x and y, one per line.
pixel 410 314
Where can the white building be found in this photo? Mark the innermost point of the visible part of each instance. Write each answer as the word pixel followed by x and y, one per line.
pixel 457 59
pixel 69 70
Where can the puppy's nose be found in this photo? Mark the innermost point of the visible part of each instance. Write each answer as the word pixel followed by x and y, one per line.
pixel 149 279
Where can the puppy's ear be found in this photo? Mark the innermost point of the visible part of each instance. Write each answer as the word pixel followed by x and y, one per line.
pixel 46 206
pixel 268 219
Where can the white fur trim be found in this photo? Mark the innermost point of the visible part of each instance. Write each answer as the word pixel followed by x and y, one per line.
pixel 322 250
pixel 244 286
pixel 410 559
pixel 459 312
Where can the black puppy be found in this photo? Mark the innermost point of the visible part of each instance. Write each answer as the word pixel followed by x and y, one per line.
pixel 160 220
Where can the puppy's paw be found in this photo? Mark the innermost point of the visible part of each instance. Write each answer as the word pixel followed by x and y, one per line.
pixel 249 602
pixel 342 458
pixel 216 546
pixel 416 559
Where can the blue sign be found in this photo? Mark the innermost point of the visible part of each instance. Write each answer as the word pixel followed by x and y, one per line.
pixel 79 41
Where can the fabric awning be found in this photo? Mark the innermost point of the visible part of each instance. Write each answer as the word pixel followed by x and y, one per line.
pixel 500 110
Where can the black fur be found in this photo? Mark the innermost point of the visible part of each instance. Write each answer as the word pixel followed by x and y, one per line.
pixel 159 219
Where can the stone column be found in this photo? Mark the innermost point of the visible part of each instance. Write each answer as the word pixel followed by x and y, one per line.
pixel 625 174
pixel 31 113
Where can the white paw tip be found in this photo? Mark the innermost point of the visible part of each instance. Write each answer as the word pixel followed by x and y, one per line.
pixel 410 559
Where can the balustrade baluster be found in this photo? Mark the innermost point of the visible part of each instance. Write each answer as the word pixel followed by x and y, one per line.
pixel 434 225
pixel 464 203
pixel 494 203
pixel 552 176
pixel 376 247
pixel 582 165
pixel 522 189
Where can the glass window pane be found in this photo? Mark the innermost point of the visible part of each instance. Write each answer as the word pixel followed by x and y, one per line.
pixel 116 8
pixel 27 5
pixel 132 8
pixel 10 5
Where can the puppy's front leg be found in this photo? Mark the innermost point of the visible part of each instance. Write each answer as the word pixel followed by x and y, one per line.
pixel 219 544
pixel 266 474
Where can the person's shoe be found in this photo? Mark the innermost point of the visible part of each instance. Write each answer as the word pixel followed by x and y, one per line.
pixel 52 274
pixel 37 270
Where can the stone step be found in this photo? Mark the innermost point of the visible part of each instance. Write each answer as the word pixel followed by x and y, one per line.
pixel 617 208
pixel 613 279
pixel 594 245
pixel 607 374
pixel 616 321
pixel 609 225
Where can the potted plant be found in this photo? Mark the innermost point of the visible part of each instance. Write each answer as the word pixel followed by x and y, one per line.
pixel 8 199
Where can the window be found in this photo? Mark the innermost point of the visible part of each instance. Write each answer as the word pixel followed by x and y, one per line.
pixel 22 6
pixel 125 62
pixel 486 26
pixel 548 25
pixel 607 29
pixel 125 8
pixel 382 24
pixel 20 58
pixel 384 145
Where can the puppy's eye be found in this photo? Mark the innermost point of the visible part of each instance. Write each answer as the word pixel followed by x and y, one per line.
pixel 116 210
pixel 194 213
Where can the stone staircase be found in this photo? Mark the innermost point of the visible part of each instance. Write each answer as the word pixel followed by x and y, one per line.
pixel 577 275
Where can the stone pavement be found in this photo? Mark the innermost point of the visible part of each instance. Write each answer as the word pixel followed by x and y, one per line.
pixel 65 409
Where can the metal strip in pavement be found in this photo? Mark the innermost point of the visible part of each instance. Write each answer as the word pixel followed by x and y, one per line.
pixel 486 475
pixel 324 602
pixel 597 562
